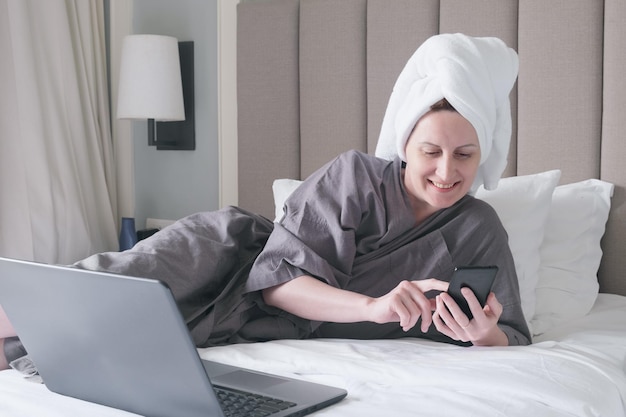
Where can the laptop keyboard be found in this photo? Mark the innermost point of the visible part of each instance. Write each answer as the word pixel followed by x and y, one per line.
pixel 239 403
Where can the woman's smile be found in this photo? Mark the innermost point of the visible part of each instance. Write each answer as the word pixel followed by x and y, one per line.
pixel 443 186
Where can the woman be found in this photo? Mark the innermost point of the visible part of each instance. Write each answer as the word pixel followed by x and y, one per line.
pixel 360 237
pixel 367 245
pixel 423 204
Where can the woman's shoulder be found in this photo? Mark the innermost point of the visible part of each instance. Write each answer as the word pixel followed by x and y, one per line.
pixel 359 163
pixel 337 178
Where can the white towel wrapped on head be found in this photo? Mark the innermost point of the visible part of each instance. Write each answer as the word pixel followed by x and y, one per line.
pixel 476 76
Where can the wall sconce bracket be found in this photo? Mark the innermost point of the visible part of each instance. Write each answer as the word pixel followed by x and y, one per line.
pixel 181 135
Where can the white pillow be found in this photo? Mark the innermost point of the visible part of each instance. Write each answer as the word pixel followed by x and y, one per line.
pixel 571 253
pixel 523 203
pixel 282 189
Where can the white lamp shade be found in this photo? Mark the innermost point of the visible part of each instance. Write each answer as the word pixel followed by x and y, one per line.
pixel 150 83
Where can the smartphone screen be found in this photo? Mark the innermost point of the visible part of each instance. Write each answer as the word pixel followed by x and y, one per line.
pixel 478 278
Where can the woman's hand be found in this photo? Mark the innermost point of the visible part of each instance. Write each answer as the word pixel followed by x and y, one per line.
pixel 406 304
pixel 482 330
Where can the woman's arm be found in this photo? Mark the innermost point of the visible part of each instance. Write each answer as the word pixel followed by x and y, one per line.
pixel 313 299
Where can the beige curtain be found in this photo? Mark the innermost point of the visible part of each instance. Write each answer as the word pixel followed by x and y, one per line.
pixel 57 174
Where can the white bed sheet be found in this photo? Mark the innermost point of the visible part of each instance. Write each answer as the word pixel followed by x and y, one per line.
pixel 576 370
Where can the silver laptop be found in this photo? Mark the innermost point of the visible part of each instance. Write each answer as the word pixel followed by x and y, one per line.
pixel 121 341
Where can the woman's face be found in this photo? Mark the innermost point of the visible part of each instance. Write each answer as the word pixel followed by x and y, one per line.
pixel 442 158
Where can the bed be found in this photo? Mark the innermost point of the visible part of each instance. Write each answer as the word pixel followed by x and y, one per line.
pixel 314 77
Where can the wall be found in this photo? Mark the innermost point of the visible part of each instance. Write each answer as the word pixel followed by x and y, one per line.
pixel 173 184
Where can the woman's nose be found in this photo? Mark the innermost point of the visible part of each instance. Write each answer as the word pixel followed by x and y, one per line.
pixel 445 168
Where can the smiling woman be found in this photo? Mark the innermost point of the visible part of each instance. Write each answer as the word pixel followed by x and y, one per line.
pixel 437 156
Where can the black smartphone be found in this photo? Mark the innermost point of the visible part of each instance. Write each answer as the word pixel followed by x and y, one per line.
pixel 477 278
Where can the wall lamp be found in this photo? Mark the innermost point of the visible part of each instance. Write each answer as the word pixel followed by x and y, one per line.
pixel 157 83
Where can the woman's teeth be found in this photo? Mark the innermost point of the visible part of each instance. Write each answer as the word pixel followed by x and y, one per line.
pixel 445 186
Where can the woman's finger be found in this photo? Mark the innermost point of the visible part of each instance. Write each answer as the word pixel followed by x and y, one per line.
pixel 431 284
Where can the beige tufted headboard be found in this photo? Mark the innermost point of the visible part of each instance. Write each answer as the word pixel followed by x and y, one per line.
pixel 314 78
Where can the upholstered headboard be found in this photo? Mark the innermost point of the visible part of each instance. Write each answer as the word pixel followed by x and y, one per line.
pixel 314 78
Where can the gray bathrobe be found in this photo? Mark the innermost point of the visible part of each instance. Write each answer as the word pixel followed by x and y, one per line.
pixel 350 225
